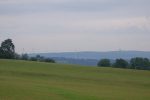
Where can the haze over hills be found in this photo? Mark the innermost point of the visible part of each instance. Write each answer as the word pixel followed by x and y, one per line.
pixel 98 55
pixel 92 58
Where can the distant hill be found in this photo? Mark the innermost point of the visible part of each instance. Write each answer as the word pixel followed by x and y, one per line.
pixel 97 55
pixel 84 62
pixel 91 58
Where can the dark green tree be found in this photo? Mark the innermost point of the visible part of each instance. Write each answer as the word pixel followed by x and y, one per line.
pixel 39 58
pixel 7 49
pixel 25 57
pixel 17 56
pixel 33 59
pixel 120 63
pixel 139 63
pixel 104 63
pixel 49 60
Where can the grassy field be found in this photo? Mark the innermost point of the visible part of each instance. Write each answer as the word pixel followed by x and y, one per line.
pixel 21 80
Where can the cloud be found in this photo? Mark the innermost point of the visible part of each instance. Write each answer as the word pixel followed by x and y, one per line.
pixel 74 24
pixel 79 42
pixel 71 23
pixel 126 7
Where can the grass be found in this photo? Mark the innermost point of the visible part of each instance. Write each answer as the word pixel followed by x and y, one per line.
pixel 22 80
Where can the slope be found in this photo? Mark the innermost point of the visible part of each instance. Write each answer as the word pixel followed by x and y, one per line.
pixel 22 80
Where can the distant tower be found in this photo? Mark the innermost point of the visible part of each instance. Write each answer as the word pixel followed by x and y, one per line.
pixel 120 50
pixel 23 52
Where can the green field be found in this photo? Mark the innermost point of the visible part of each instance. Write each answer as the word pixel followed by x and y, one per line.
pixel 21 80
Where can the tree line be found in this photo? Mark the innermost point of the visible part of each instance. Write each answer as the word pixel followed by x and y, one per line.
pixel 36 58
pixel 134 63
pixel 7 51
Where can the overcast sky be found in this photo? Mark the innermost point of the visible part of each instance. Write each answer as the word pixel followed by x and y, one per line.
pixel 76 25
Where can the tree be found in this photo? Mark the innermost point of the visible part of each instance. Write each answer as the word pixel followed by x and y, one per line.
pixel 39 58
pixel 139 63
pixel 24 57
pixel 120 63
pixel 33 59
pixel 7 49
pixel 42 59
pixel 49 60
pixel 17 56
pixel 104 63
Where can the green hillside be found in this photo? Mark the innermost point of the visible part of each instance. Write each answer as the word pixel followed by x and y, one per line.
pixel 21 80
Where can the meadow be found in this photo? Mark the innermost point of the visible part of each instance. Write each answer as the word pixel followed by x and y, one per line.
pixel 27 80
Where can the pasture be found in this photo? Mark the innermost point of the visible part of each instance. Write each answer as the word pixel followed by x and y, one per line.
pixel 26 80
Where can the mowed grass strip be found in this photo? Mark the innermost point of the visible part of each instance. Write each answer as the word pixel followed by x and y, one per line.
pixel 23 80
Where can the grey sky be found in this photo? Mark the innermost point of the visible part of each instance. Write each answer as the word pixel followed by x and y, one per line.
pixel 76 25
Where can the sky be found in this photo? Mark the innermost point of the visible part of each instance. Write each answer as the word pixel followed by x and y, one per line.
pixel 75 25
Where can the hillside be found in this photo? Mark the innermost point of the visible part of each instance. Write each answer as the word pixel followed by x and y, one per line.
pixel 22 80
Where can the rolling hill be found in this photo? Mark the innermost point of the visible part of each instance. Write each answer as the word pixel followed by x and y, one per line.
pixel 92 58
pixel 23 80
pixel 97 55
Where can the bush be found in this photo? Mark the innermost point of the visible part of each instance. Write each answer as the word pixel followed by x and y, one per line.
pixel 104 63
pixel 139 63
pixel 120 63
pixel 24 57
pixel 33 59
pixel 49 60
